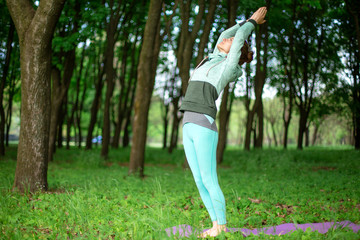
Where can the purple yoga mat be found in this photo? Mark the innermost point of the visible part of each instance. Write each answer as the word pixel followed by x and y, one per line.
pixel 186 230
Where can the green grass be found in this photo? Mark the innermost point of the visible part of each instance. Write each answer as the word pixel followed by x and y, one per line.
pixel 92 199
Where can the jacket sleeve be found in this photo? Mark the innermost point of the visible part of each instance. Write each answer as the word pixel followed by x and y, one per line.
pixel 233 57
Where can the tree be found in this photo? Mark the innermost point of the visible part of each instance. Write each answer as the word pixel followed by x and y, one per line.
pixel 111 36
pixel 261 40
pixel 5 71
pixel 225 107
pixel 35 29
pixel 316 60
pixel 352 7
pixel 61 82
pixel 145 84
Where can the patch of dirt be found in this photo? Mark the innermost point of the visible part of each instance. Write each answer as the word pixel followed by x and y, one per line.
pixel 289 208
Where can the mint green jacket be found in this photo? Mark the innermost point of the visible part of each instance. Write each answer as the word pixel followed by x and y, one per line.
pixel 211 78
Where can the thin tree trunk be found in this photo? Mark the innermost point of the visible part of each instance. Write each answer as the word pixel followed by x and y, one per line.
pixel 95 106
pixel 287 118
pixel 110 73
pixel 59 93
pixel 146 76
pixel 70 119
pixel 207 27
pixel 356 88
pixel 307 136
pixel 248 111
pixel 260 76
pixel 315 133
pixel 224 113
pixel 133 80
pixel 35 30
pixel 62 116
pixel 302 128
pixel 81 105
pixel 166 123
pixel 274 133
pixel 12 90
pixel 187 40
pixel 126 137
pixel 268 134
pixel 2 87
pixel 124 94
pixel 175 125
pixel 61 88
pixel 260 115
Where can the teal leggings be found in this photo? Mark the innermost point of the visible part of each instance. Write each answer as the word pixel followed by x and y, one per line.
pixel 200 149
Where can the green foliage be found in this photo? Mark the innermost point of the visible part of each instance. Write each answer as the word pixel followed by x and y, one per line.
pixel 90 198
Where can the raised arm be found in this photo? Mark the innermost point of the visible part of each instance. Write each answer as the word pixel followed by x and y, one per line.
pixel 241 35
pixel 228 33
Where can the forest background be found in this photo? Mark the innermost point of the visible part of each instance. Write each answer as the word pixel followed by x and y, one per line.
pixel 113 73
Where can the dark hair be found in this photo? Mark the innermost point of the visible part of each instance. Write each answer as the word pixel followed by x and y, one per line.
pixel 246 54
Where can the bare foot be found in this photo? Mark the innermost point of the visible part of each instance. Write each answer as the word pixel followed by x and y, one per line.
pixel 214 231
pixel 205 234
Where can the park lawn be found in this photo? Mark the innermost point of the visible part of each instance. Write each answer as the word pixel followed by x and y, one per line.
pixel 95 199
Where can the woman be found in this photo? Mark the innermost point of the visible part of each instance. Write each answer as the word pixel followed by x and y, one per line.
pixel 200 134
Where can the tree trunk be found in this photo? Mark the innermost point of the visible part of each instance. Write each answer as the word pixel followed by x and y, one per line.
pixel 59 92
pixel 260 115
pixel 166 123
pixel 2 87
pixel 61 87
pixel 316 129
pixel 110 73
pixel 354 12
pixel 145 84
pixel 274 133
pixel 125 90
pixel 302 128
pixel 268 134
pixel 131 91
pixel 287 118
pixel 71 118
pixel 187 40
pixel 12 91
pixel 126 137
pixel 62 116
pixel 224 113
pixel 35 30
pixel 249 117
pixel 175 125
pixel 307 136
pixel 260 76
pixel 224 116
pixel 81 105
pixel 95 106
pixel 204 39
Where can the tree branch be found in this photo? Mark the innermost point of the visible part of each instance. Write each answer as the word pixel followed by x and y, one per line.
pixel 22 14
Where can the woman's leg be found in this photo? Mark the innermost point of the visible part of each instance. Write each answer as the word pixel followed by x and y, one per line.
pixel 205 144
pixel 190 131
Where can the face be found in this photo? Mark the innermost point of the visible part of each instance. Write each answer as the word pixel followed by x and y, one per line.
pixel 225 45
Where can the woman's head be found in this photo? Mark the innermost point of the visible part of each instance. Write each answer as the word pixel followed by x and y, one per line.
pixel 225 45
pixel 246 54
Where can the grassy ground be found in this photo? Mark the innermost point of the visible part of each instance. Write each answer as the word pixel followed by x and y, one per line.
pixel 93 199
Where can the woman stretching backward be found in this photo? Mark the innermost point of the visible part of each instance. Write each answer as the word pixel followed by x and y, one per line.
pixel 200 136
